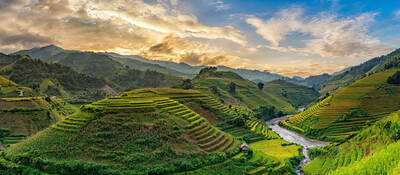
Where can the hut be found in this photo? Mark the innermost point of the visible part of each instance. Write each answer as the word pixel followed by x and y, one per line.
pixel 244 147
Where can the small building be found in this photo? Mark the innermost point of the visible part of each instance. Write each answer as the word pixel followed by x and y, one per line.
pixel 21 93
pixel 244 147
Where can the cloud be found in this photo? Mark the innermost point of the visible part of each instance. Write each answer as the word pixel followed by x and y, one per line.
pixel 220 5
pixel 397 13
pixel 330 36
pixel 180 50
pixel 123 26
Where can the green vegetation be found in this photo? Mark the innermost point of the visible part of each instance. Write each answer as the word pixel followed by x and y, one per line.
pixel 355 73
pixel 374 150
pixel 52 79
pixel 295 94
pixel 11 89
pixel 234 90
pixel 394 79
pixel 152 131
pixel 334 117
pixel 106 67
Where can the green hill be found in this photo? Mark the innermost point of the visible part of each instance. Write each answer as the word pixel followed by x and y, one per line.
pixel 295 94
pixel 143 66
pixel 374 150
pixel 357 72
pixel 111 67
pixel 350 109
pixel 22 116
pixel 154 131
pixel 233 90
pixel 11 89
pixel 53 79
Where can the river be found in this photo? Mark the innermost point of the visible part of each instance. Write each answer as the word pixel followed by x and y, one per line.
pixel 294 137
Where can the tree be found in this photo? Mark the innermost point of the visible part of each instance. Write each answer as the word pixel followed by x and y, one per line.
pixel 260 85
pixel 394 79
pixel 187 84
pixel 207 69
pixel 232 87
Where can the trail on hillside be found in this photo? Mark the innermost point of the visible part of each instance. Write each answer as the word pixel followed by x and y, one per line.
pixel 294 137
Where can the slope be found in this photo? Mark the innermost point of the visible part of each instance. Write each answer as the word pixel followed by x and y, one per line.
pixel 355 73
pixel 53 53
pixel 343 113
pixel 11 89
pixel 147 131
pixel 233 89
pixel 24 116
pixel 53 79
pixel 374 150
pixel 102 65
pixel 295 94
pixel 143 66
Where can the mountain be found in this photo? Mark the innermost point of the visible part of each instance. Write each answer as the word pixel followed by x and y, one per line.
pixel 154 131
pixel 53 53
pixel 351 108
pixel 346 78
pixel 46 53
pixel 143 64
pixel 297 95
pixel 52 78
pixel 314 81
pixel 11 89
pixel 103 66
pixel 233 89
pixel 22 115
pixel 253 75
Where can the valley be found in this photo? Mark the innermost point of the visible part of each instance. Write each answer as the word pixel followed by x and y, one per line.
pixel 207 87
pixel 217 121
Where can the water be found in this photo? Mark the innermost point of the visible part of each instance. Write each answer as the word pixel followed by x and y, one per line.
pixel 294 137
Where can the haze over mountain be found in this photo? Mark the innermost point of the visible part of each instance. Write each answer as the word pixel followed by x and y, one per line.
pixel 53 53
pixel 183 87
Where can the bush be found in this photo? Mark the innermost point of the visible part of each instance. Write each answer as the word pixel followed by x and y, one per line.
pixel 394 79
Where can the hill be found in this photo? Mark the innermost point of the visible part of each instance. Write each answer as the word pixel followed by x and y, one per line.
pixel 101 65
pixel 53 53
pixel 312 81
pixel 374 150
pixel 11 89
pixel 22 115
pixel 295 94
pixel 233 89
pixel 345 112
pixel 144 65
pixel 357 72
pixel 53 79
pixel 154 131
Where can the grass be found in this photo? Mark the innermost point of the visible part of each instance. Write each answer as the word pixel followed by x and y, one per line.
pixel 171 138
pixel 371 94
pixel 246 93
pixel 25 116
pixel 372 151
pixel 297 95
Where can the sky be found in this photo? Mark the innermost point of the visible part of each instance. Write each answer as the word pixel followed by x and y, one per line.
pixel 292 38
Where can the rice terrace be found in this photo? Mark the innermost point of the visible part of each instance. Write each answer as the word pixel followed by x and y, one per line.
pixel 159 87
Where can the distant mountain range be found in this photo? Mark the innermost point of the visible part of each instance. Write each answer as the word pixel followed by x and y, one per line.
pixel 53 53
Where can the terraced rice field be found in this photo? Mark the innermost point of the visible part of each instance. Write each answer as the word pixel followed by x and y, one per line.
pixel 371 94
pixel 260 128
pixel 10 140
pixel 207 137
pixel 73 123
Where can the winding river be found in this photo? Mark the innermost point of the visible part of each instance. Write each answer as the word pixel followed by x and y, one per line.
pixel 294 137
